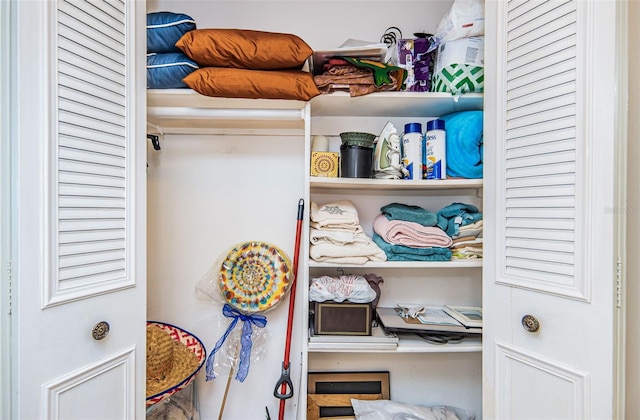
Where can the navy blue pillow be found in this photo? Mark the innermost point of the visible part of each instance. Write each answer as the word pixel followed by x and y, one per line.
pixel 164 29
pixel 166 71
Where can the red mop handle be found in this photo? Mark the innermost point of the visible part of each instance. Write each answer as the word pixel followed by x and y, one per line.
pixel 285 381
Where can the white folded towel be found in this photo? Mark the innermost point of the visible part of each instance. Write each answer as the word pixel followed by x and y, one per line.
pixel 334 236
pixel 363 249
pixel 340 214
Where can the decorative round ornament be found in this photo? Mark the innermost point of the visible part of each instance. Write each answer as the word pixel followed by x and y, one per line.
pixel 324 164
pixel 254 276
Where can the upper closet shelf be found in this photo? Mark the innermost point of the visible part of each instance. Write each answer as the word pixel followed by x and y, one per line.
pixel 184 111
pixel 187 112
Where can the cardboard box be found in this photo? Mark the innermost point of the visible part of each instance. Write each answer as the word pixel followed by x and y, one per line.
pixel 343 318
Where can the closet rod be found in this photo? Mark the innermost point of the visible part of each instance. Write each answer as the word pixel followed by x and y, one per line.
pixel 229 114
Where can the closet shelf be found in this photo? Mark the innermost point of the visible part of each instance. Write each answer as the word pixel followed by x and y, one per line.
pixel 471 263
pixel 184 111
pixel 408 343
pixel 394 104
pixel 172 111
pixel 393 184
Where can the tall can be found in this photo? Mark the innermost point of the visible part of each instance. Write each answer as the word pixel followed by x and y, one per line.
pixel 412 139
pixel 435 150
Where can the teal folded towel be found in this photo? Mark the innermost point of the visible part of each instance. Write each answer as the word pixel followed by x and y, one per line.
pixel 405 253
pixel 453 216
pixel 464 131
pixel 409 213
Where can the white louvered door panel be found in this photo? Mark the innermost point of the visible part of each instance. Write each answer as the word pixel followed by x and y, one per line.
pixel 549 195
pixel 90 230
pixel 80 212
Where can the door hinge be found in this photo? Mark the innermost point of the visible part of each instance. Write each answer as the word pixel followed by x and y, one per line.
pixel 9 284
pixel 619 282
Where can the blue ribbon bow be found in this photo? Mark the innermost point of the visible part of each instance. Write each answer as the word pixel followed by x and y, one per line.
pixel 245 340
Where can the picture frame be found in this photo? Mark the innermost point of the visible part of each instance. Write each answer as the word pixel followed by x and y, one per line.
pixel 469 316
pixel 329 394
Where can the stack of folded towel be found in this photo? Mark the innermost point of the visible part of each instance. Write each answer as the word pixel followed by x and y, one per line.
pixel 336 235
pixel 410 233
pixel 463 222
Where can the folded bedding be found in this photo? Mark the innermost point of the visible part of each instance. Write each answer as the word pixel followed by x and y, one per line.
pixel 363 249
pixel 400 232
pixel 405 253
pixel 410 213
pixel 451 217
pixel 336 237
pixel 341 214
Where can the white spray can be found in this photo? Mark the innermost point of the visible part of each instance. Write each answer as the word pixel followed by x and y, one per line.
pixel 435 150
pixel 412 151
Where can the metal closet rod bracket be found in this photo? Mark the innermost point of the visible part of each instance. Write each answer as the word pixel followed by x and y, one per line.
pixel 155 141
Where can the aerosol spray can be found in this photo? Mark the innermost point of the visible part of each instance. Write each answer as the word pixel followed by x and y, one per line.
pixel 435 150
pixel 412 151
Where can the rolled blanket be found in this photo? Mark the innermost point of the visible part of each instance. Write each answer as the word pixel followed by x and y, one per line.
pixel 405 253
pixel 399 211
pixel 399 232
pixel 464 144
pixel 337 215
pixel 337 237
pixel 363 249
pixel 453 216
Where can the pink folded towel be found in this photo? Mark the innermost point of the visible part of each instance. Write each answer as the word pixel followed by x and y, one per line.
pixel 401 232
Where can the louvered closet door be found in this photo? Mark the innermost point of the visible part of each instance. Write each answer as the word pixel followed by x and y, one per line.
pixel 80 288
pixel 549 279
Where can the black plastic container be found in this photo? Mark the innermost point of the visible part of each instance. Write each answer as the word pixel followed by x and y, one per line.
pixel 356 161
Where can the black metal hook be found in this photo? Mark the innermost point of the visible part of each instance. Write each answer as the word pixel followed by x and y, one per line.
pixel 155 141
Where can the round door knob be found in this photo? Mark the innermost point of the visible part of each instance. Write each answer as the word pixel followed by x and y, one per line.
pixel 530 323
pixel 100 330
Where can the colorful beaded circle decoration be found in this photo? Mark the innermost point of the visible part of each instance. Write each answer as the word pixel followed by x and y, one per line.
pixel 255 276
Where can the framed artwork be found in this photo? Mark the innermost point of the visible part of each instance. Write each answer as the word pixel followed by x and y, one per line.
pixel 469 316
pixel 329 394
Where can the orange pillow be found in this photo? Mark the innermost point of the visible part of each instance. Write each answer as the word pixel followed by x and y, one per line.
pixel 244 49
pixel 255 84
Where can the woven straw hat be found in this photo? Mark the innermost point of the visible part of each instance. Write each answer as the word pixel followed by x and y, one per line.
pixel 174 356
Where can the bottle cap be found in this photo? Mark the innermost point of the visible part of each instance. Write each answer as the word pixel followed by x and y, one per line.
pixel 413 128
pixel 435 125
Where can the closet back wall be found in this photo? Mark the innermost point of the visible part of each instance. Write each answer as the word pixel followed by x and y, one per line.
pixel 322 24
pixel 205 194
pixel 208 192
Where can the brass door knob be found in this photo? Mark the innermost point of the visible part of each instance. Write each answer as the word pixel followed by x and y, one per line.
pixel 530 323
pixel 100 330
